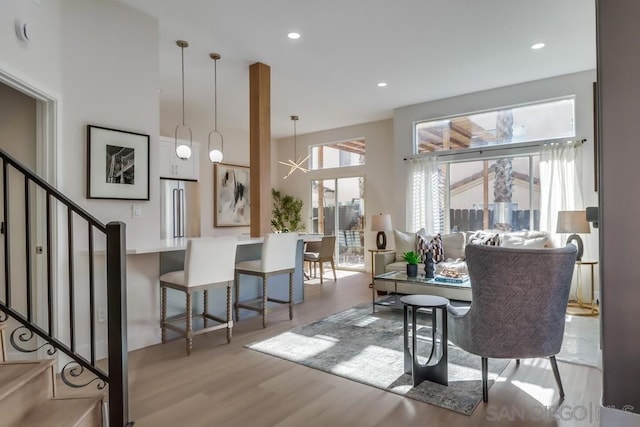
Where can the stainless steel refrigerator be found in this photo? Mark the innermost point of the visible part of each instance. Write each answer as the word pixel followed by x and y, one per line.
pixel 179 209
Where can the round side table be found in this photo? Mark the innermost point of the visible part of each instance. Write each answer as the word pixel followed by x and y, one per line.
pixel 435 369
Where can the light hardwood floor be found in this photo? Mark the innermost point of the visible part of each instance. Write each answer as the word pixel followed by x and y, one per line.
pixel 224 384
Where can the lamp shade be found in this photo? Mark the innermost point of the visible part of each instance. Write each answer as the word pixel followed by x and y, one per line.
pixel 572 222
pixel 381 222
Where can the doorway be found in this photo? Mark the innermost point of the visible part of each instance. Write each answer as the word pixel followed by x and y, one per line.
pixel 337 209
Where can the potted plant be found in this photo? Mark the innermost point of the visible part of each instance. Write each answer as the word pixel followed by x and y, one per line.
pixel 286 214
pixel 412 259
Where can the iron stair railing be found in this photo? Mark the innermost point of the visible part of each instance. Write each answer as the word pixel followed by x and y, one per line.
pixel 73 372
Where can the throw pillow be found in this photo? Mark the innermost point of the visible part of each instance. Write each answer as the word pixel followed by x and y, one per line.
pixel 482 238
pixel 433 245
pixel 404 242
pixel 519 242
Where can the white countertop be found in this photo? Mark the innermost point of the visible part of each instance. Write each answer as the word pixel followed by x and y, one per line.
pixel 180 244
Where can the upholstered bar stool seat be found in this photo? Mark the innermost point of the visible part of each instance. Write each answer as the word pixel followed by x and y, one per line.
pixel 278 257
pixel 209 263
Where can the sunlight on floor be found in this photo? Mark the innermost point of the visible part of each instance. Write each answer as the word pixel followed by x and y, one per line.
pixel 544 395
pixel 307 347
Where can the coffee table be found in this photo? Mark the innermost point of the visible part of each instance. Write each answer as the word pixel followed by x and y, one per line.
pixel 420 285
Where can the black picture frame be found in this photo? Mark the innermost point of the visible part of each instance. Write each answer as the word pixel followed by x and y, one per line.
pixel 117 164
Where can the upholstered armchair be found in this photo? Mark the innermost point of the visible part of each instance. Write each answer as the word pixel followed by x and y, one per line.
pixel 519 303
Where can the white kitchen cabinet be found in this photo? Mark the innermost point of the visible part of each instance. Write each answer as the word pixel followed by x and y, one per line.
pixel 173 167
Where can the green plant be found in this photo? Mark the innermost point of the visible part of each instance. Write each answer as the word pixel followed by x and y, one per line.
pixel 286 214
pixel 411 257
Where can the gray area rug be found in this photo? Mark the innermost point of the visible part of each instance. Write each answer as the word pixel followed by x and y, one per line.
pixel 367 348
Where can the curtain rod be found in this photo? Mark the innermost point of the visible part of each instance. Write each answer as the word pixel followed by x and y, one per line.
pixel 464 151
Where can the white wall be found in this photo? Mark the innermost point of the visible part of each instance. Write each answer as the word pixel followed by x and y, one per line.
pixel 377 170
pixel 36 62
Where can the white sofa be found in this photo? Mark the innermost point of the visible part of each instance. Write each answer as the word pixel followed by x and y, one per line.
pixel 453 246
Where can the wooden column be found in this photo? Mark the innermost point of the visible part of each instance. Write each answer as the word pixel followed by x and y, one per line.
pixel 260 148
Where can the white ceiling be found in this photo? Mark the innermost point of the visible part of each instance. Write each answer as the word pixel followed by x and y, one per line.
pixel 424 49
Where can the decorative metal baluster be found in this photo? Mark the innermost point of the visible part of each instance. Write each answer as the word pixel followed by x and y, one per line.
pixel 49 267
pixel 92 297
pixel 7 260
pixel 27 224
pixel 72 299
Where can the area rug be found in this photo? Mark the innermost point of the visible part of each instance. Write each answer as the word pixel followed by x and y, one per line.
pixel 367 348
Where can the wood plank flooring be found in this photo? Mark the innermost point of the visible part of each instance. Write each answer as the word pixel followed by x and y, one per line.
pixel 224 384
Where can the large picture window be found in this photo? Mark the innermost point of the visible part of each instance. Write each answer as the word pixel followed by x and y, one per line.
pixel 452 188
pixel 534 122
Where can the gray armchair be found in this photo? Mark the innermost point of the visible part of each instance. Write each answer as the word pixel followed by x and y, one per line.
pixel 519 303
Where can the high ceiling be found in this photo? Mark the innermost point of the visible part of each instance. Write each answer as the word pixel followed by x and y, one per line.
pixel 423 49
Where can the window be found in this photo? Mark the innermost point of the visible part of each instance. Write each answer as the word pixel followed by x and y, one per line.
pixel 337 154
pixel 500 193
pixel 494 188
pixel 534 122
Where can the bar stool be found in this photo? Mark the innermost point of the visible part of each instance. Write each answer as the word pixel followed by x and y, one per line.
pixel 278 257
pixel 208 263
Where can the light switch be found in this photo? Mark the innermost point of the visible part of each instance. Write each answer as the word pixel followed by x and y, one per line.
pixel 136 211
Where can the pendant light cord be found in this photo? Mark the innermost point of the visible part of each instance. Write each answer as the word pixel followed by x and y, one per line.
pixel 182 56
pixel 215 95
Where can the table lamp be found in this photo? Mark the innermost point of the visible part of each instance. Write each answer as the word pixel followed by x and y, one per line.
pixel 573 222
pixel 381 223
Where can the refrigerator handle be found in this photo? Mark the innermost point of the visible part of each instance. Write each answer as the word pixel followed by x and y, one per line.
pixel 175 212
pixel 181 207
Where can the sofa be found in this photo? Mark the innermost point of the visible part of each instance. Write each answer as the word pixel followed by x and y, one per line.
pixel 452 246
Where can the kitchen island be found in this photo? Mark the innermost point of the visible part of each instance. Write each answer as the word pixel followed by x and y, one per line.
pixel 168 255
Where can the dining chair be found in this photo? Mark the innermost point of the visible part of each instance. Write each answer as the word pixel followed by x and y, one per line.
pixel 209 263
pixel 321 254
pixel 278 257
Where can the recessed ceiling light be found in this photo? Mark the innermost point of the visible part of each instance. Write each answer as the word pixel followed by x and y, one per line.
pixel 293 36
pixel 537 46
pixel 382 84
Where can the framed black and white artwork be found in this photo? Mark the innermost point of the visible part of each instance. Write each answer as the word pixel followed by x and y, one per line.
pixel 231 195
pixel 117 164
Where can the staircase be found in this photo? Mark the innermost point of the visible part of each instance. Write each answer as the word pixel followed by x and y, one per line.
pixel 28 398
pixel 28 389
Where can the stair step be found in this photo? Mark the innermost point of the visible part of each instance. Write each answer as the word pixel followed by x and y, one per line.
pixel 24 385
pixel 64 412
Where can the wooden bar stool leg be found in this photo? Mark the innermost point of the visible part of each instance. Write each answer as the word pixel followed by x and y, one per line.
pixel 321 270
pixel 229 314
pixel 163 313
pixel 333 267
pixel 189 325
pixel 291 294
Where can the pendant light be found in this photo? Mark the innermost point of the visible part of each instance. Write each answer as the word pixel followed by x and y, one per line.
pixel 183 151
pixel 215 155
pixel 297 164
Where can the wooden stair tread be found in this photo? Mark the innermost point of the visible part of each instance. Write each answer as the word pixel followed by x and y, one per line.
pixel 67 412
pixel 14 375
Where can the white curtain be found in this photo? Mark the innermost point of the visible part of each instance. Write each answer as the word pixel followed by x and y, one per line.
pixel 423 195
pixel 560 186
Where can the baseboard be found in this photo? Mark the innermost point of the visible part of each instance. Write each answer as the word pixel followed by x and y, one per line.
pixel 618 417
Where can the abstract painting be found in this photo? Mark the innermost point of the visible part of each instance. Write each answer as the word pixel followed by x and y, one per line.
pixel 231 196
